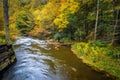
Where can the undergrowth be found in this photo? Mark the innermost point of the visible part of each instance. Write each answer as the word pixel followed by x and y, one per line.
pixel 104 57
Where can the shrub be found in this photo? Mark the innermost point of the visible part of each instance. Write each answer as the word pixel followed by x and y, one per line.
pixel 103 57
pixel 66 39
pixel 97 43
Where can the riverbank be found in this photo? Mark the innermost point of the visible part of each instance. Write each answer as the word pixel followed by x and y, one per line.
pixel 100 58
pixel 57 44
pixel 7 58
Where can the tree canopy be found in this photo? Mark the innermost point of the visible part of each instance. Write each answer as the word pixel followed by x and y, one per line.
pixel 72 19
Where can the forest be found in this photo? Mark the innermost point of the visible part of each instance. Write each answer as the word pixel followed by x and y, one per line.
pixel 91 26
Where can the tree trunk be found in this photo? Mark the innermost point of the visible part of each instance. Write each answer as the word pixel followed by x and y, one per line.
pixel 115 26
pixel 6 19
pixel 96 23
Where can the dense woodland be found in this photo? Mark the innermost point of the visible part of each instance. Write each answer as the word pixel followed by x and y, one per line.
pixel 95 22
pixel 78 20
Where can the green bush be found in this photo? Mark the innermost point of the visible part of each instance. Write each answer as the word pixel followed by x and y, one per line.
pixel 2 40
pixel 57 36
pixel 97 43
pixel 99 55
pixel 66 40
pixel 24 21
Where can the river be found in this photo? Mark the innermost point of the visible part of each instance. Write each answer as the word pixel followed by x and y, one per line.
pixel 36 60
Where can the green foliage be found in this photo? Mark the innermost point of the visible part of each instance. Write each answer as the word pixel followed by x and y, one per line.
pixel 116 53
pixel 102 57
pixel 69 20
pixel 91 16
pixel 66 39
pixel 97 43
pixel 2 40
pixel 73 18
pixel 66 9
pixel 79 34
pixel 24 2
pixel 57 36
pixel 24 21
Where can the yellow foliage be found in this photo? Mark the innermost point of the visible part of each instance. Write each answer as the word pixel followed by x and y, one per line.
pixel 49 11
pixel 70 6
pixel 55 12
pixel 14 32
pixel 37 18
pixel 61 21
pixel 85 48
pixel 37 29
pixel 66 8
pixel 2 40
pixel 1 17
pixel 44 17
pixel 36 12
pixel 74 7
pixel 2 33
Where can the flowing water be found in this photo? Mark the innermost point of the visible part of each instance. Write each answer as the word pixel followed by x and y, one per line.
pixel 36 60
